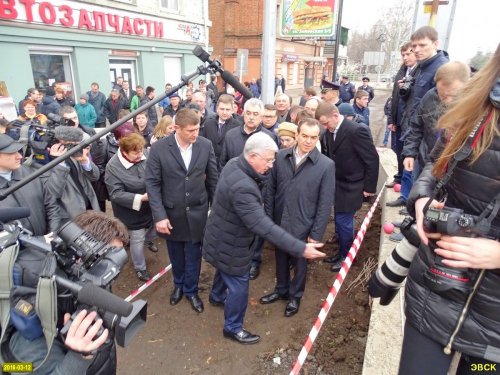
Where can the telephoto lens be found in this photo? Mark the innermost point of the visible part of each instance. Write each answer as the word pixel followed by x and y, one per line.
pixel 387 280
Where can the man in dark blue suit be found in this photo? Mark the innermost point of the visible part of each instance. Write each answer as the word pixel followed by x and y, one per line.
pixel 181 176
pixel 350 146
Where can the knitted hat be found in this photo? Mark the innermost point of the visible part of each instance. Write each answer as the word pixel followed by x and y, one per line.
pixel 84 96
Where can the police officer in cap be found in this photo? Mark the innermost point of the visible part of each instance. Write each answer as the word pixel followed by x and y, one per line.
pixel 330 92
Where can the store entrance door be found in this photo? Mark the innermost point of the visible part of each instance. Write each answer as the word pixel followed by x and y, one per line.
pixel 309 75
pixel 122 68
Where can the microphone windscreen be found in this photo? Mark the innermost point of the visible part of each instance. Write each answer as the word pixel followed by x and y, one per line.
pixel 68 134
pixel 92 295
pixel 233 81
pixel 13 213
pixel 200 53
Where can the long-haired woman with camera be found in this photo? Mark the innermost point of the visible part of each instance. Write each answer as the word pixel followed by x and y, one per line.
pixel 453 287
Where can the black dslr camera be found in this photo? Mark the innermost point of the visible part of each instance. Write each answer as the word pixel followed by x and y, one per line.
pixel 408 82
pixel 454 222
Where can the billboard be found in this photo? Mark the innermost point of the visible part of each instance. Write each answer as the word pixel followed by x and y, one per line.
pixel 307 18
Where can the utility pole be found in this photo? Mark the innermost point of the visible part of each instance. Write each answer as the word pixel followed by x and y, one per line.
pixel 268 51
pixel 337 40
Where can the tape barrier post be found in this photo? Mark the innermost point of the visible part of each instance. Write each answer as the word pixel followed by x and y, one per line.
pixel 334 289
pixel 138 291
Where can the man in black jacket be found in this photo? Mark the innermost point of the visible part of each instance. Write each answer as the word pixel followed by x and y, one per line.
pixel 181 175
pixel 298 197
pixel 395 117
pixel 44 216
pixel 233 147
pixel 237 216
pixel 216 128
pixel 350 146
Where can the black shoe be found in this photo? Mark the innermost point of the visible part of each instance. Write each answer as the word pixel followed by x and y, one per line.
pixel 151 246
pixel 292 307
pixel 143 275
pixel 332 259
pixel 337 266
pixel 214 302
pixel 176 296
pixel 403 212
pixel 272 297
pixel 396 203
pixel 196 303
pixel 254 272
pixel 243 337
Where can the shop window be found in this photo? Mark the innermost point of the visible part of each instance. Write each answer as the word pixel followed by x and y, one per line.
pixel 49 69
pixel 171 5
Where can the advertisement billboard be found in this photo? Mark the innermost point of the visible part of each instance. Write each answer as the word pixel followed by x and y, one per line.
pixel 307 18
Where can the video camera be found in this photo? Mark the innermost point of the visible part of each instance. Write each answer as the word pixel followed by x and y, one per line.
pixel 39 138
pixel 86 269
pixel 408 82
pixel 454 222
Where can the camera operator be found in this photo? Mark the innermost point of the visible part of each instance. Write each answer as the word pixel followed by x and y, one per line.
pixel 45 214
pixel 459 313
pixel 70 181
pixel 80 352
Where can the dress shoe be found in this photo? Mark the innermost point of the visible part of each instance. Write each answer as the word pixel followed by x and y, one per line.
pixel 272 297
pixel 214 302
pixel 337 266
pixel 196 303
pixel 151 246
pixel 396 203
pixel 292 307
pixel 254 272
pixel 403 211
pixel 332 259
pixel 176 296
pixel 243 337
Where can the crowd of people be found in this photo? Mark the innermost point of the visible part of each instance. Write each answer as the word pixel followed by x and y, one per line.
pixel 216 175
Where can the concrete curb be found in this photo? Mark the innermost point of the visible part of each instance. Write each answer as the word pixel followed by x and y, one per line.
pixel 385 336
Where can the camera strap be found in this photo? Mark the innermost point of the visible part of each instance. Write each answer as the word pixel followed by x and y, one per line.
pixel 8 257
pixel 46 298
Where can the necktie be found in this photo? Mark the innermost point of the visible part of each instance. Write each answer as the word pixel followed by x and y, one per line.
pixel 334 135
pixel 221 127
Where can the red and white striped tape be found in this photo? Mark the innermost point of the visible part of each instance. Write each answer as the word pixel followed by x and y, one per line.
pixel 138 291
pixel 334 289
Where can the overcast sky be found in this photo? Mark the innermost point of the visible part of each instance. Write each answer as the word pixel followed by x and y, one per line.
pixel 475 26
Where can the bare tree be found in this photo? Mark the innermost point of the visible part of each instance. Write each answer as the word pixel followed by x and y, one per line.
pixel 393 27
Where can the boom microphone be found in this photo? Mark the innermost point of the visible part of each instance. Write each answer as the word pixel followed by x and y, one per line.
pixel 226 76
pixel 68 134
pixel 13 213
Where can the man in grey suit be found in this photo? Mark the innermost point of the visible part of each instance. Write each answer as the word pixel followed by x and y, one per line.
pixel 181 175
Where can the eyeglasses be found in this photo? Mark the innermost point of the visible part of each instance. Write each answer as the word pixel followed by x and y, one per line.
pixel 268 161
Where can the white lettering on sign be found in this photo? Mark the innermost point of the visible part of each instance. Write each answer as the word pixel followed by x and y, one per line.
pixel 86 17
